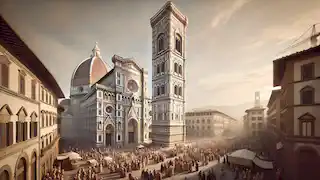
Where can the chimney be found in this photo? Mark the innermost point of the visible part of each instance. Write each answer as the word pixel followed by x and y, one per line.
pixel 257 99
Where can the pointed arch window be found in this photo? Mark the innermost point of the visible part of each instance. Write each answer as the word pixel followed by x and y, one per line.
pixel 162 89
pixel 160 42
pixel 180 69
pixel 162 67
pixel 307 125
pixel 176 90
pixel 178 42
pixel 6 127
pixel 4 71
pixel 307 95
pixel 180 91
pixel 176 67
pixel 21 126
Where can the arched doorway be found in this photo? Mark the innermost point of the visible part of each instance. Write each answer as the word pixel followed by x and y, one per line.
pixel 308 164
pixel 21 171
pixel 109 135
pixel 4 175
pixel 34 167
pixel 132 131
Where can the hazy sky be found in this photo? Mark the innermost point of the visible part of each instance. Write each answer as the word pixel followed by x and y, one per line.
pixel 230 43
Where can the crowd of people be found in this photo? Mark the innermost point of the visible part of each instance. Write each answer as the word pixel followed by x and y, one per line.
pixel 181 159
pixel 54 174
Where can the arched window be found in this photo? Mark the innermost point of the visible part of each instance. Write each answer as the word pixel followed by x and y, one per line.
pixel 4 71
pixel 119 125
pixel 34 167
pixel 176 90
pixel 160 42
pixel 180 91
pixel 6 127
pixel 176 67
pixel 178 43
pixel 307 95
pixel 180 69
pixel 162 90
pixel 4 175
pixel 21 171
pixel 158 69
pixel 162 67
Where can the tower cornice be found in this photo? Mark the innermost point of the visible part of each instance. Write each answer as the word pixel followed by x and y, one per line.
pixel 169 6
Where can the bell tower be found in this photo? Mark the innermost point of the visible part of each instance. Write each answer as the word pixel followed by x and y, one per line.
pixel 168 78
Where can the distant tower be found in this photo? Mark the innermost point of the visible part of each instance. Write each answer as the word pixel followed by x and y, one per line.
pixel 257 99
pixel 168 80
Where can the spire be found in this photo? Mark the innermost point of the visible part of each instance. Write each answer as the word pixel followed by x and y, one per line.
pixel 96 50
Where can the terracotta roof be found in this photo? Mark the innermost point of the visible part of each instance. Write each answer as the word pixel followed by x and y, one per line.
pixel 279 65
pixel 89 71
pixel 11 41
pixel 298 54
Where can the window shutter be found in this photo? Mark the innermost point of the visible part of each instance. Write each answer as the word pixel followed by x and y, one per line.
pixel 10 133
pixel 17 132
pixel 35 129
pixel 3 140
pixel 25 131
pixel 31 130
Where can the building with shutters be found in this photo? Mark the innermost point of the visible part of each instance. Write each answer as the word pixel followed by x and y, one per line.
pixel 294 112
pixel 28 107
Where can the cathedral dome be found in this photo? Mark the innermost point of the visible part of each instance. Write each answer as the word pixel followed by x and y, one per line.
pixel 90 70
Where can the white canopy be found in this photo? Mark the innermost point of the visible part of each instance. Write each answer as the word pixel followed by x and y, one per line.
pixel 107 158
pixel 93 162
pixel 242 157
pixel 73 155
pixel 61 157
pixel 140 146
pixel 262 163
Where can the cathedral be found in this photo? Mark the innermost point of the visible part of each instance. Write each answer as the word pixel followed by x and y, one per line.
pixel 112 108
pixel 108 107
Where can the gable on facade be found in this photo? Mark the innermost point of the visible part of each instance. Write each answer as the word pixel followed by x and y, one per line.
pixel 132 114
pixel 307 116
pixel 108 120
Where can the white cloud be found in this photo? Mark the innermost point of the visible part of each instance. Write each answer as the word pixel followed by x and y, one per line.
pixel 225 14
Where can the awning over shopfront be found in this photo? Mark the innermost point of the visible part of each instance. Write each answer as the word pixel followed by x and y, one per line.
pixel 262 163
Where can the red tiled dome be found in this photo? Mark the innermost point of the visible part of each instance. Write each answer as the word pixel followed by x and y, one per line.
pixel 90 70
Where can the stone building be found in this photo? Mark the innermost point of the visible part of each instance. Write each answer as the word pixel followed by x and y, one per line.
pixel 25 115
pixel 168 79
pixel 294 114
pixel 255 119
pixel 207 123
pixel 109 108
